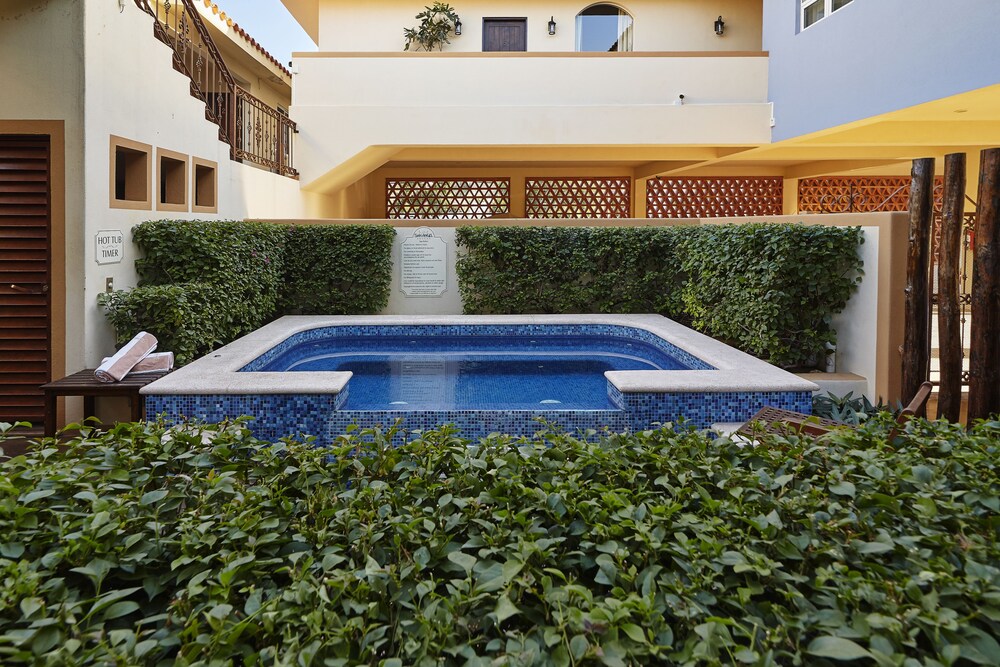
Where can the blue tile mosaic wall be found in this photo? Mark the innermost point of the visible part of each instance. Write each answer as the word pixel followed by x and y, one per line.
pixel 702 409
pixel 509 330
pixel 279 415
pixel 477 424
pixel 276 415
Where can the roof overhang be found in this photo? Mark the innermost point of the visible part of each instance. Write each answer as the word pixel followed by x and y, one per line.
pixel 306 12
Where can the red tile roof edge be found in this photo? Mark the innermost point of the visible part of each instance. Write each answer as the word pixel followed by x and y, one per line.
pixel 245 35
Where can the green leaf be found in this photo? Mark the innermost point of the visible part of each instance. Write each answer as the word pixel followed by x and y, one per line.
pixel 634 632
pixel 119 609
pixel 151 497
pixel 463 560
pixel 837 648
pixel 31 497
pixel 843 488
pixel 505 609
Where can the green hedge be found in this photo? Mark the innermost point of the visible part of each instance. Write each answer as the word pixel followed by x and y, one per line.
pixel 189 319
pixel 203 284
pixel 567 269
pixel 336 269
pixel 768 289
pixel 205 546
pixel 245 260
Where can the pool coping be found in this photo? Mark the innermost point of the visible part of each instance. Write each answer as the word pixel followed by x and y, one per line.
pixel 219 371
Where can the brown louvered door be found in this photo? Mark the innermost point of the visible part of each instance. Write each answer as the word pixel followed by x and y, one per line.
pixel 24 276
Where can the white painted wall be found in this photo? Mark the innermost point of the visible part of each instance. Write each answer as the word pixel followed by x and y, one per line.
pixel 132 91
pixel 857 324
pixel 659 25
pixel 345 105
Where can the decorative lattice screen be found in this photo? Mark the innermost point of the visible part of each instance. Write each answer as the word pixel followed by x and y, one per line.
pixel 859 194
pixel 578 197
pixel 709 197
pixel 448 198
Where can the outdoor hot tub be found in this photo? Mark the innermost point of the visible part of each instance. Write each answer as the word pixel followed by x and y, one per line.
pixel 317 375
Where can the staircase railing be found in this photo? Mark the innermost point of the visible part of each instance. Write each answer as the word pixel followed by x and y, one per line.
pixel 255 131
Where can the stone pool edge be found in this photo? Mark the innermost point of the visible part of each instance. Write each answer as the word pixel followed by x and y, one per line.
pixel 219 372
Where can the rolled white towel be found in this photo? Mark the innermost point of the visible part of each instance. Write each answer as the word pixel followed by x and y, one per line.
pixel 153 362
pixel 134 351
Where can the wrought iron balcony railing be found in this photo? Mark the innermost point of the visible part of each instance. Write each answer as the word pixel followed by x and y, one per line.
pixel 255 131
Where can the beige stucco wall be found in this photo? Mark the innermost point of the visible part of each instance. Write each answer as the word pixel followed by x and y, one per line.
pixel 83 71
pixel 523 101
pixel 659 25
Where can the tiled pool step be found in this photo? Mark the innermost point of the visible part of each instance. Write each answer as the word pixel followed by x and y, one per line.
pixel 476 424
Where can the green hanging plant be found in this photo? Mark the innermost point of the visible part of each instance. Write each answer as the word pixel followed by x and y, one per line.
pixel 437 22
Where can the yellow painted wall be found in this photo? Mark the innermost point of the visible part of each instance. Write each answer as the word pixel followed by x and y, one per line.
pixel 659 25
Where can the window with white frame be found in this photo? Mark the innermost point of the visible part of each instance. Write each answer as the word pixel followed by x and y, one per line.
pixel 814 10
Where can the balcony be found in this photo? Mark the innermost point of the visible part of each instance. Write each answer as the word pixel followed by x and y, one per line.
pixel 355 109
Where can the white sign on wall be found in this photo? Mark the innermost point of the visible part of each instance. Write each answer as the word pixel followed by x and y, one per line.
pixel 110 246
pixel 423 264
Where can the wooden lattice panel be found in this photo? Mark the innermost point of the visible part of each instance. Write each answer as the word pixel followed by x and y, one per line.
pixel 446 198
pixel 708 197
pixel 840 194
pixel 578 197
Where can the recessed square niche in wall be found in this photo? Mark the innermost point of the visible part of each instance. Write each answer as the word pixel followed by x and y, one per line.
pixel 131 174
pixel 171 190
pixel 206 186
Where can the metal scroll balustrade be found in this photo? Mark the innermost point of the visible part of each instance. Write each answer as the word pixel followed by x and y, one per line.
pixel 255 131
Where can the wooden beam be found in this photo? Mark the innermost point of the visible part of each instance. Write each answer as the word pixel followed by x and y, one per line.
pixel 949 308
pixel 984 352
pixel 916 338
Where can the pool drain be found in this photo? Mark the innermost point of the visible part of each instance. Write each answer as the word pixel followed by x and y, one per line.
pixel 549 401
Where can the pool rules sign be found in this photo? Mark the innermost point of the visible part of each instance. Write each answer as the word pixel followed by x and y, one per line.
pixel 423 264
pixel 110 246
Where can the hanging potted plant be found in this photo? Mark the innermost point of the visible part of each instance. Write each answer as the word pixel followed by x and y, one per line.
pixel 437 22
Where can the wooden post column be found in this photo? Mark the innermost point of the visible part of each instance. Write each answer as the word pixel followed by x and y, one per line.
pixel 984 352
pixel 949 308
pixel 917 333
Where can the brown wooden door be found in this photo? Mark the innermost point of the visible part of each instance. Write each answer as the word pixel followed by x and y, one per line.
pixel 24 276
pixel 505 34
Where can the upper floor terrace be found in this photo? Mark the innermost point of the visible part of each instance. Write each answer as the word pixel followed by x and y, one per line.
pixel 569 81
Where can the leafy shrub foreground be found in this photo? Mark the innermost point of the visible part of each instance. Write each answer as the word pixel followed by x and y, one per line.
pixel 203 545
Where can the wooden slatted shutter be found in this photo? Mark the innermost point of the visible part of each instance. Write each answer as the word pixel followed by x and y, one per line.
pixel 24 276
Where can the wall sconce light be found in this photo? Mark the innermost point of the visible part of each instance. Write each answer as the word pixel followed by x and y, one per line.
pixel 720 26
pixel 552 25
pixel 458 26
pixel 121 6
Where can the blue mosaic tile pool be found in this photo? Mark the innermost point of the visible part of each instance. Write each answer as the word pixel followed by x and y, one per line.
pixel 327 415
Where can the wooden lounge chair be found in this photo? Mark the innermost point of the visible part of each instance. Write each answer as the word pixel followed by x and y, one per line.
pixel 787 422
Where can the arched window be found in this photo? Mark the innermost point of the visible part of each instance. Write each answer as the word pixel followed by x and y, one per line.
pixel 603 28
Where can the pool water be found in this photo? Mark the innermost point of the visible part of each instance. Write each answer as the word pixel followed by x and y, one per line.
pixel 475 372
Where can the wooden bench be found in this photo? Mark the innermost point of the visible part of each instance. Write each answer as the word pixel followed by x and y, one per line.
pixel 85 384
